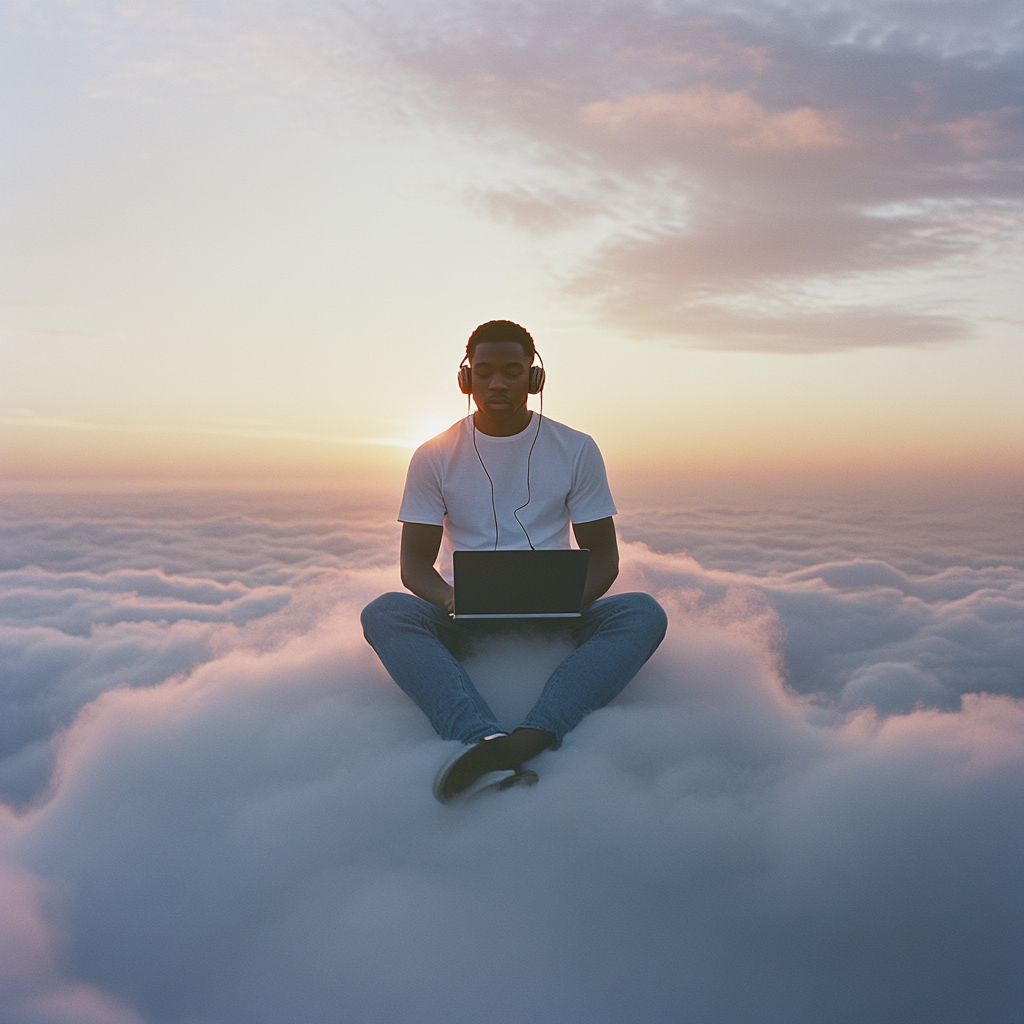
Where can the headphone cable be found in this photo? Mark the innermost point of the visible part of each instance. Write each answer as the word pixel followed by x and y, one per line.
pixel 529 460
pixel 494 510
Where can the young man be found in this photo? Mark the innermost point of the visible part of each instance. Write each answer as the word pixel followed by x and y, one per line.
pixel 505 478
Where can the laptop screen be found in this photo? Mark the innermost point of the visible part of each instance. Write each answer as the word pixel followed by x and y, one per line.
pixel 519 584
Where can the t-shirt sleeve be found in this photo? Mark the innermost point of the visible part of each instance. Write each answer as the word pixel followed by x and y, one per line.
pixel 589 497
pixel 422 501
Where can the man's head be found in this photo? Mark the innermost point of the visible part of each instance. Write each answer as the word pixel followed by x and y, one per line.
pixel 501 330
pixel 500 354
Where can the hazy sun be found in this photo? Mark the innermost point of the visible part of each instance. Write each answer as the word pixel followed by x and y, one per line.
pixel 426 429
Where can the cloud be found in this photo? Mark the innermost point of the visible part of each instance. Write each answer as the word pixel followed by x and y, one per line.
pixel 89 604
pixel 227 538
pixel 27 418
pixel 538 211
pixel 701 846
pixel 153 587
pixel 797 177
pixel 846 623
pixel 763 532
pixel 772 165
pixel 250 838
pixel 653 120
pixel 895 688
pixel 30 982
pixel 867 590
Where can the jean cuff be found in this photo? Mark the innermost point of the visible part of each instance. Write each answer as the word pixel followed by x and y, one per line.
pixel 533 723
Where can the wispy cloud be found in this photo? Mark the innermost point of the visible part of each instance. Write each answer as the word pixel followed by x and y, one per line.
pixel 734 171
pixel 803 148
pixel 29 419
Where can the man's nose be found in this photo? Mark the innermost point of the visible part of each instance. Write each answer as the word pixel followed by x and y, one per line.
pixel 498 383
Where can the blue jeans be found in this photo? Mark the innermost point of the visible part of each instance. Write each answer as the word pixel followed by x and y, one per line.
pixel 419 645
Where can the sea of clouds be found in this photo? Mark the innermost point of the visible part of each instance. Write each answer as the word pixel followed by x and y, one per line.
pixel 806 809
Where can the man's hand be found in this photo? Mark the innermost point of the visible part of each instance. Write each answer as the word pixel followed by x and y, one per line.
pixel 420 545
pixel 603 567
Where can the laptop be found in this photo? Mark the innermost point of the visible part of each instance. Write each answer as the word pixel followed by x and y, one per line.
pixel 519 584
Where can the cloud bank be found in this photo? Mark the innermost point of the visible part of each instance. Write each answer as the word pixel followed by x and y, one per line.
pixel 774 177
pixel 791 815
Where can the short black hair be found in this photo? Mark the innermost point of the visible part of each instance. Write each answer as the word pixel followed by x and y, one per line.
pixel 501 330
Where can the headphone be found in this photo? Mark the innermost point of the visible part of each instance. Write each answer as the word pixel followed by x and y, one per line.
pixel 537 376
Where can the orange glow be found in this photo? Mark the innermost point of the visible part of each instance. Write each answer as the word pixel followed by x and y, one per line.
pixel 78 455
pixel 693 450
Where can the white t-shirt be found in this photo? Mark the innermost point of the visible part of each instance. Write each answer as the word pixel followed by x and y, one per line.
pixel 448 486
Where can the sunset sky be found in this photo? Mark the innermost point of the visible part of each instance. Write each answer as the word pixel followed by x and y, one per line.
pixel 771 252
pixel 248 241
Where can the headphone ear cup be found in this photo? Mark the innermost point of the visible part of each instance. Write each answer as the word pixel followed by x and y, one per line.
pixel 466 380
pixel 537 376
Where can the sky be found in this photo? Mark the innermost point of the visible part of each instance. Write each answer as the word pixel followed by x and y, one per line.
pixel 770 253
pixel 245 243
pixel 215 806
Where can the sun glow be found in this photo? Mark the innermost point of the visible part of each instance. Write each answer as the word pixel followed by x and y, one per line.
pixel 425 429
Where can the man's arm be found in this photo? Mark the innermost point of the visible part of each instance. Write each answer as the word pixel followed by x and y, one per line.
pixel 420 544
pixel 603 566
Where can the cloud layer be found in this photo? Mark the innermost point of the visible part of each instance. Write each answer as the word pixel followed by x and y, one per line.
pixel 768 177
pixel 789 816
pixel 92 602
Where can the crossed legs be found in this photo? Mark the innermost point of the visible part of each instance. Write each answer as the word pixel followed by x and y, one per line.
pixel 419 644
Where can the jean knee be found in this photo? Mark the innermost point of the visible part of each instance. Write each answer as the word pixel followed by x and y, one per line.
pixel 381 611
pixel 650 615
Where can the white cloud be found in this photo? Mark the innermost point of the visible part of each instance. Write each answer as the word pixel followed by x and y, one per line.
pixel 30 983
pixel 894 688
pixel 702 845
pixel 250 838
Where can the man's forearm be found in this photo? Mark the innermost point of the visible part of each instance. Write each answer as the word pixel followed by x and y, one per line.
pixel 428 584
pixel 601 572
pixel 420 545
pixel 598 537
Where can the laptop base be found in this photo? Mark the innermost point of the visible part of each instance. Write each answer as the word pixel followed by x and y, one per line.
pixel 518 615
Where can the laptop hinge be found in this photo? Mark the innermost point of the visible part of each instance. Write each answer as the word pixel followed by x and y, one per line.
pixel 518 615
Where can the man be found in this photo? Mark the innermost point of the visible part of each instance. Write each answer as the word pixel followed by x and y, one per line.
pixel 505 478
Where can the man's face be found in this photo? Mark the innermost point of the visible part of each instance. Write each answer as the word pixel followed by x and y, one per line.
pixel 501 379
